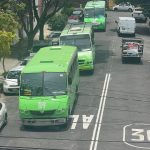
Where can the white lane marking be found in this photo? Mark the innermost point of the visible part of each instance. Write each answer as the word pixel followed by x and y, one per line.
pixel 75 120
pixel 100 113
pixel 124 136
pixel 87 120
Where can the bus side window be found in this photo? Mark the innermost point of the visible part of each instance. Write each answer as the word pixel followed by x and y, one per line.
pixel 72 71
pixel 92 37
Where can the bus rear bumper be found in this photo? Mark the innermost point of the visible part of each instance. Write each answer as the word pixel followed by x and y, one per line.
pixel 86 67
pixel 43 122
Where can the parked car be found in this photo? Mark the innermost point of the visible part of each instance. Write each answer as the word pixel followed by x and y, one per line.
pixel 124 7
pixel 76 16
pixel 3 114
pixel 54 37
pixel 25 60
pixel 11 81
pixel 138 14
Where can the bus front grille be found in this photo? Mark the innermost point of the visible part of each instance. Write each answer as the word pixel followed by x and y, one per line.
pixel 42 112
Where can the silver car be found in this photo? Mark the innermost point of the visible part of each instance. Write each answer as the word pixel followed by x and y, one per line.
pixel 3 114
pixel 139 15
pixel 123 7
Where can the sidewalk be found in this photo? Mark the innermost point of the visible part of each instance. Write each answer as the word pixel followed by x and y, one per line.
pixel 9 63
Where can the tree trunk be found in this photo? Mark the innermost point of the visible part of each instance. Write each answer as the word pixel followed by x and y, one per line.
pixel 3 63
pixel 30 42
pixel 41 35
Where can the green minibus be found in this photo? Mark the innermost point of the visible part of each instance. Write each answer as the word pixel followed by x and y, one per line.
pixel 49 86
pixel 94 12
pixel 82 36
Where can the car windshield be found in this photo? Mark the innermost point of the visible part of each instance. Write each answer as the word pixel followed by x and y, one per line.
pixel 49 84
pixel 13 74
pixel 82 42
pixel 55 35
pixel 94 12
pixel 76 12
pixel 138 9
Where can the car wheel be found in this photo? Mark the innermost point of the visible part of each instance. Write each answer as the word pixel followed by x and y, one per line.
pixel 130 10
pixel 6 94
pixel 115 9
pixel 145 20
pixel 5 121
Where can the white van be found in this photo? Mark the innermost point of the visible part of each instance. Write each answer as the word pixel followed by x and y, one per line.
pixel 126 25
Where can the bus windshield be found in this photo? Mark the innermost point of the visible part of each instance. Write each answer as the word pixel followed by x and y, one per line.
pixel 43 84
pixel 82 42
pixel 94 12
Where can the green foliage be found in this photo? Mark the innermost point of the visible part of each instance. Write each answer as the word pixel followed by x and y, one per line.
pixel 67 11
pixel 7 22
pixel 58 22
pixel 6 39
pixel 8 27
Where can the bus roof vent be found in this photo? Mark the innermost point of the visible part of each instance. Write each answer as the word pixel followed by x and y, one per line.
pixel 44 61
pixel 55 48
pixel 75 29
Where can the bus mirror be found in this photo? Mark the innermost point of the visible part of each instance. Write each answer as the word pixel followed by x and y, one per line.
pixel 116 21
pixel 106 15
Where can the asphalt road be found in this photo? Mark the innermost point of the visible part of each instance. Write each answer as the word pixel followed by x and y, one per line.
pixel 112 111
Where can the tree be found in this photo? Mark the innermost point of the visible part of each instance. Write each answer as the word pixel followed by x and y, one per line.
pixel 27 11
pixel 8 25
pixel 6 39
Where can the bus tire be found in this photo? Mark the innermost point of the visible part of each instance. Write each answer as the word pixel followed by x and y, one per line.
pixel 67 119
pixel 91 71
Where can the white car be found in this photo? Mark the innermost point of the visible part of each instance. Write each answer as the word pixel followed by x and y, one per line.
pixel 123 7
pixel 3 114
pixel 138 14
pixel 11 84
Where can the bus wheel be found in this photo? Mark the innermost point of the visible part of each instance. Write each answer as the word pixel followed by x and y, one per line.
pixel 67 120
pixel 91 71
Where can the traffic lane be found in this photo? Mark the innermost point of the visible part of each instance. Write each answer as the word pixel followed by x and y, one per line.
pixel 127 103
